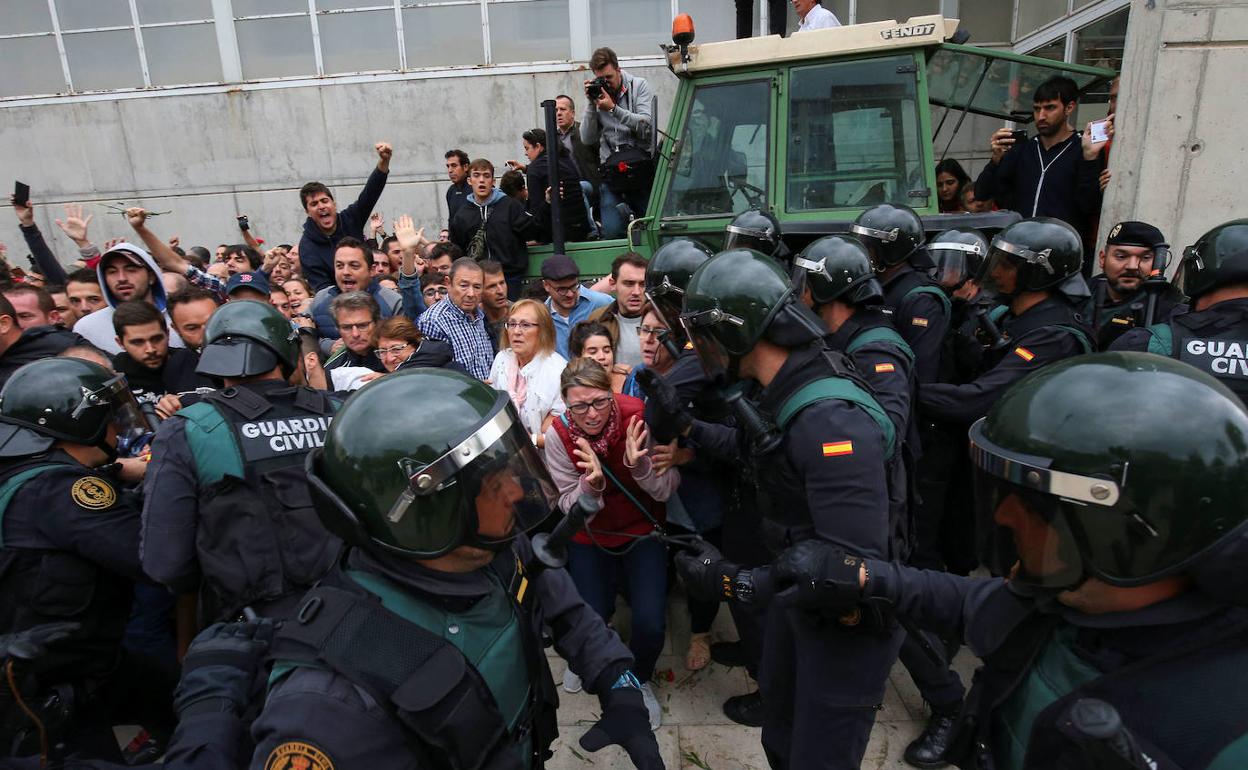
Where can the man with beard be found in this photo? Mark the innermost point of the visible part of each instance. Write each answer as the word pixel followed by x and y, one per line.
pixel 156 372
pixel 1057 173
pixel 1133 252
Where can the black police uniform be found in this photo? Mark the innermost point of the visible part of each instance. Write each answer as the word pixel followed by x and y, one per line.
pixel 821 677
pixel 921 313
pixel 1110 318
pixel 1048 331
pixel 1165 668
pixel 227 499
pixel 362 707
pixel 68 552
pixel 1214 340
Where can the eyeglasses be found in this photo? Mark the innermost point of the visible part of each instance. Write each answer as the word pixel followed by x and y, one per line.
pixel 565 290
pixel 434 291
pixel 393 350
pixel 521 325
pixel 657 331
pixel 598 405
pixel 355 327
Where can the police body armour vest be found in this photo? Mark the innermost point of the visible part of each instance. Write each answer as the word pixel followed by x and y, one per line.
pixel 1214 343
pixel 258 537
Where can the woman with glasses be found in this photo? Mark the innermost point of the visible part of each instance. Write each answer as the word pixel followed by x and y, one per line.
pixel 400 345
pixel 528 368
pixel 651 333
pixel 593 340
pixel 601 448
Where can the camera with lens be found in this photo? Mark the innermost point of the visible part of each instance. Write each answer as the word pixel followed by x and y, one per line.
pixel 596 87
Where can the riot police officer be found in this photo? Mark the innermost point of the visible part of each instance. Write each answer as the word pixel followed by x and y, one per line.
pixel 958 256
pixel 69 553
pixel 423 647
pixel 757 229
pixel 1034 266
pixel 227 504
pixel 823 476
pixel 893 234
pixel 840 284
pixel 1131 289
pixel 1124 542
pixel 1213 336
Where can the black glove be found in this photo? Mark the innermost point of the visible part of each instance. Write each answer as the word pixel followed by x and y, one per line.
pixel 32 643
pixel 626 723
pixel 220 672
pixel 707 574
pixel 671 416
pixel 822 575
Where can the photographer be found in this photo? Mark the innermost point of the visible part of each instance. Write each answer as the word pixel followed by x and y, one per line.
pixel 619 117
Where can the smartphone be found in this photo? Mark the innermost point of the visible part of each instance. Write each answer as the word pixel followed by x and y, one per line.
pixel 1100 130
pixel 1019 135
pixel 21 194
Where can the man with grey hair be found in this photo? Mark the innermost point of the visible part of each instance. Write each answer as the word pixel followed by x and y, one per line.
pixel 459 320
pixel 358 317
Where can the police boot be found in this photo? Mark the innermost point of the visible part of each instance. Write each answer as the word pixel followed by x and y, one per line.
pixel 929 749
pixel 745 709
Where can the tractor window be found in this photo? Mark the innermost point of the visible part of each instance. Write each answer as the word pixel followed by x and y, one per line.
pixel 854 138
pixel 722 166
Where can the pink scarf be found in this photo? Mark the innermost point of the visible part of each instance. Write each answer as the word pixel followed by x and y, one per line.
pixel 518 387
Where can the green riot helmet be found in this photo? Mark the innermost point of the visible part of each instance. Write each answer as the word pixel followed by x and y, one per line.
pixel 421 484
pixel 837 267
pixel 758 230
pixel 958 256
pixel 1067 489
pixel 1218 258
pixel 738 298
pixel 668 274
pixel 1035 255
pixel 67 399
pixel 892 233
pixel 246 338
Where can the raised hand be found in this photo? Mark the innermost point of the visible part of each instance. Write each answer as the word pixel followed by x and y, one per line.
pixel 25 214
pixel 588 463
pixel 384 151
pixel 635 440
pixel 75 224
pixel 376 223
pixel 136 216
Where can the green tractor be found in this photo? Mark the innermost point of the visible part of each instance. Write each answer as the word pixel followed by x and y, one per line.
pixel 819 126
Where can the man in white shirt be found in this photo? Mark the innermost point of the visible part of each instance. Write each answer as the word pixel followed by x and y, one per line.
pixel 812 15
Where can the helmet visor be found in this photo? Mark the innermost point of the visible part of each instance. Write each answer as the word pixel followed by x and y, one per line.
pixel 954 263
pixel 482 492
pixel 1189 268
pixel 737 237
pixel 127 418
pixel 703 328
pixel 666 298
pixel 1000 272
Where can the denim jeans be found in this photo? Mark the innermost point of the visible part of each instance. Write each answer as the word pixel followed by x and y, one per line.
pixel 587 193
pixel 594 570
pixel 614 225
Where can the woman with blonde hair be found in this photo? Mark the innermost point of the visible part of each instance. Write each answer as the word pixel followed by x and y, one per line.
pixel 601 447
pixel 528 368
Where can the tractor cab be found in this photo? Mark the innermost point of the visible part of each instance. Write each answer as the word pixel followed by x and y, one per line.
pixel 820 125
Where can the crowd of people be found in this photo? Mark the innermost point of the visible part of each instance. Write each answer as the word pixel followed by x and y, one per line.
pixel 356 435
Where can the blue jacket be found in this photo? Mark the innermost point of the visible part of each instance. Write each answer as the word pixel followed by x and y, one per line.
pixel 316 249
pixel 327 329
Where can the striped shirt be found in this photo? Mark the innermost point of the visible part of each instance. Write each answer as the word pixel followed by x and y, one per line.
pixel 464 333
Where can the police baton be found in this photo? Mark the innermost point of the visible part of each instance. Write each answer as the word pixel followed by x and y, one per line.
pixel 984 318
pixel 1154 285
pixel 551 548
pixel 1109 744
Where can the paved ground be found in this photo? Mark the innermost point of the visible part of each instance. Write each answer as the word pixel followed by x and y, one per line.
pixel 696 734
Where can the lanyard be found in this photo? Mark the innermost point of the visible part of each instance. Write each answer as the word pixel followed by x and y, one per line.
pixel 1044 169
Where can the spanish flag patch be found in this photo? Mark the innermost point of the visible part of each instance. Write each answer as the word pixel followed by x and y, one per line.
pixel 883 368
pixel 1024 354
pixel 917 321
pixel 837 448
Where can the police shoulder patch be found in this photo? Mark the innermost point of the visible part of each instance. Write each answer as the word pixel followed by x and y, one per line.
pixel 918 321
pixel 297 755
pixel 93 493
pixel 1024 353
pixel 884 368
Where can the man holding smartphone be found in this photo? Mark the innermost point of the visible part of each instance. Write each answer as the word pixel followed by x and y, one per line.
pixel 1056 173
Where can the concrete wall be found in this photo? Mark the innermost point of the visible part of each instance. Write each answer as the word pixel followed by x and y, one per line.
pixel 206 157
pixel 1179 152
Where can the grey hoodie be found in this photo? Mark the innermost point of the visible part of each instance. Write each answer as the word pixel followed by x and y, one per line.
pixel 97 327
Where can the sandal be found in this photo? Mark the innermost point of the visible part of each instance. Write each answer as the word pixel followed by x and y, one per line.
pixel 699 653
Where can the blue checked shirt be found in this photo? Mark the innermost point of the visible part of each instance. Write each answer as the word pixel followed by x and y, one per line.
pixel 464 333
pixel 207 281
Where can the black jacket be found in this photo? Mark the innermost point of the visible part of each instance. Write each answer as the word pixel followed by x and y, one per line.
pixel 572 204
pixel 316 249
pixel 176 376
pixel 508 228
pixel 434 354
pixel 35 343
pixel 1069 190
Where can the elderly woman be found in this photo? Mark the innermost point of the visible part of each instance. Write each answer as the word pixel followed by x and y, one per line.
pixel 601 448
pixel 528 368
pixel 400 345
pixel 652 332
pixel 591 339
